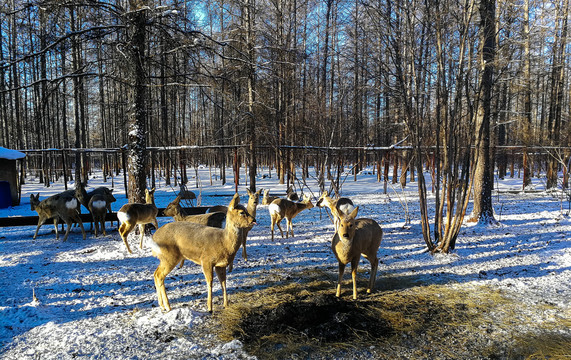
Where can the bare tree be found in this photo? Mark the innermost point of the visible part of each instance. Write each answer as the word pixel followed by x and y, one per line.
pixel 483 182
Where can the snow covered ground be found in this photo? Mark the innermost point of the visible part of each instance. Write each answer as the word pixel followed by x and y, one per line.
pixel 93 299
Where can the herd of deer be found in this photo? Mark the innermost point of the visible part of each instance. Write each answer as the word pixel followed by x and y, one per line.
pixel 205 240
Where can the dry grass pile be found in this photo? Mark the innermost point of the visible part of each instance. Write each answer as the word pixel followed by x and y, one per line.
pixel 305 320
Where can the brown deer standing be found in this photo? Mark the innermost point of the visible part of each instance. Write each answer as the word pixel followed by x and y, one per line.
pixel 215 219
pixel 131 215
pixel 267 199
pixel 353 238
pixel 98 208
pixel 338 207
pixel 84 197
pixel 210 247
pixel 55 207
pixel 283 208
pixel 253 200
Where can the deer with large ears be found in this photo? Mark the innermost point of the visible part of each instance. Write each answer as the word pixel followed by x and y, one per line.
pixel 210 247
pixel 253 201
pixel 353 238
pixel 283 208
pixel 338 207
pixel 131 215
pixel 55 207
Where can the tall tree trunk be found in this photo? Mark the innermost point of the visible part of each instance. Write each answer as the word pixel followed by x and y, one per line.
pixel 556 99
pixel 527 97
pixel 137 114
pixel 483 211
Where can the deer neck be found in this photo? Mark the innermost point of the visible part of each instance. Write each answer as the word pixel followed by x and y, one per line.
pixel 232 236
pixel 251 209
pixel 299 207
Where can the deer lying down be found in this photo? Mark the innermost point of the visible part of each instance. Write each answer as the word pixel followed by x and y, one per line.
pixel 131 215
pixel 55 207
pixel 210 247
pixel 353 238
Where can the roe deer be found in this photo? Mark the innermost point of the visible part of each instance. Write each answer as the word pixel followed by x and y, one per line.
pixel 210 247
pixel 98 208
pixel 55 207
pixel 267 199
pixel 353 238
pixel 84 197
pixel 338 207
pixel 283 208
pixel 215 219
pixel 253 200
pixel 291 195
pixel 131 215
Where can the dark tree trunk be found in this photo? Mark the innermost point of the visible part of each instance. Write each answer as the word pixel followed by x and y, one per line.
pixel 483 211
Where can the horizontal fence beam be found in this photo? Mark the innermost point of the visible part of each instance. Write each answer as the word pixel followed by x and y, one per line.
pixel 33 220
pixel 543 149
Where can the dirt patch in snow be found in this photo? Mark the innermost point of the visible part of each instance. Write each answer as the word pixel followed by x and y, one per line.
pixel 307 320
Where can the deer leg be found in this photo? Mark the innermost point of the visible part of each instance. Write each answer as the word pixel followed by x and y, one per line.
pixel 56 221
pixel 40 223
pixel 162 271
pixel 124 231
pixel 142 231
pixel 340 278
pixel 78 220
pixel 244 253
pixel 102 221
pixel 221 272
pixel 69 224
pixel 280 227
pixel 272 227
pixel 354 266
pixel 96 226
pixel 373 277
pixel 181 264
pixel 207 270
pixel 290 226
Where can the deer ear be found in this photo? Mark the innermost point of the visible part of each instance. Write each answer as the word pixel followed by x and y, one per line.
pixel 249 192
pixel 354 213
pixel 234 202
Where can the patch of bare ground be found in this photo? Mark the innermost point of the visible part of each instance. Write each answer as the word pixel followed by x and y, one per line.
pixel 304 320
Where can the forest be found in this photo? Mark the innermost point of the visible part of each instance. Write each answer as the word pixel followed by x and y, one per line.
pixel 461 89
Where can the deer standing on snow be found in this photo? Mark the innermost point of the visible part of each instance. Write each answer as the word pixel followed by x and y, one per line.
pixel 98 205
pixel 267 199
pixel 55 207
pixel 283 208
pixel 338 207
pixel 253 200
pixel 212 248
pixel 131 215
pixel 353 238
pixel 215 219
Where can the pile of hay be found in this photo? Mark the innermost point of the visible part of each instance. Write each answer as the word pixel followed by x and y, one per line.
pixel 304 319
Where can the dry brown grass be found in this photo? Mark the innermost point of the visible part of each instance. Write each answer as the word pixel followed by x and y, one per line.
pixel 304 319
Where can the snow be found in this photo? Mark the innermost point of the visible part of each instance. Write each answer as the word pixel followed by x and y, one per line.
pixel 10 154
pixel 94 299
